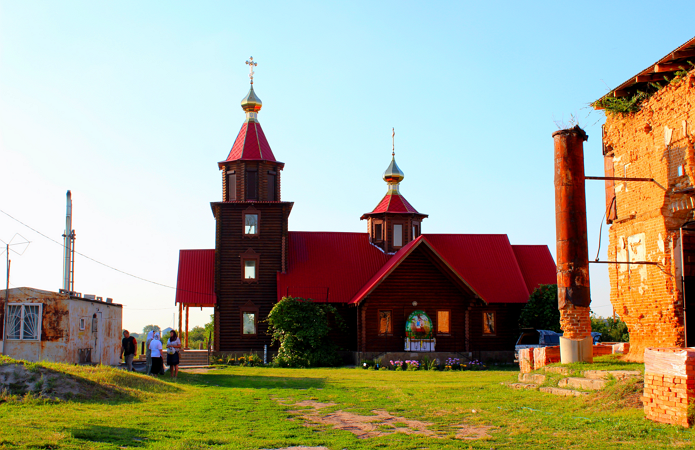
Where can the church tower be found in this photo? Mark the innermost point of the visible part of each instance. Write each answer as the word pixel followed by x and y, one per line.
pixel 251 235
pixel 394 222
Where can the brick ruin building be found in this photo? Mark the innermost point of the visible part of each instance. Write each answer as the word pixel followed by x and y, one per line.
pixel 648 139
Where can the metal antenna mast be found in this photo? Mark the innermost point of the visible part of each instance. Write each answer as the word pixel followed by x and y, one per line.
pixel 7 282
pixel 69 249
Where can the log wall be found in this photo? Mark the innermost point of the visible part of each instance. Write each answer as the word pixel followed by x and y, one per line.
pixel 416 279
pixel 234 293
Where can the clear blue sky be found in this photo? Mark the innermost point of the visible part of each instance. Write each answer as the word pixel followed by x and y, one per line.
pixel 131 105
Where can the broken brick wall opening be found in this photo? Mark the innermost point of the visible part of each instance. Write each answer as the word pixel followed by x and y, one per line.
pixel 655 142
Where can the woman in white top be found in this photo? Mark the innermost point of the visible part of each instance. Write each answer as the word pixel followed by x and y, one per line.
pixel 173 349
pixel 156 348
pixel 148 353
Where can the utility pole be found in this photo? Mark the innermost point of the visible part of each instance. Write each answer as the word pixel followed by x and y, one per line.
pixel 7 299
pixel 6 308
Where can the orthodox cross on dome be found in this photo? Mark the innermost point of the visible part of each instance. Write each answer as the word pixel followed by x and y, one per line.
pixel 393 141
pixel 251 65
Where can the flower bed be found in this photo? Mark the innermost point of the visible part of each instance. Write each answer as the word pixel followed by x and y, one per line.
pixel 450 364
pixel 251 360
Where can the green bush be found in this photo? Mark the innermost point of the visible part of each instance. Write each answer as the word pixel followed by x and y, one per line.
pixel 301 327
pixel 541 312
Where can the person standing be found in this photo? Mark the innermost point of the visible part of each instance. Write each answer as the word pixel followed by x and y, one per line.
pixel 148 353
pixel 156 348
pixel 129 348
pixel 173 349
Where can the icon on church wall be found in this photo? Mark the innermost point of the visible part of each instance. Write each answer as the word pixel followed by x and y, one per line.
pixel 418 325
pixel 488 323
pixel 418 332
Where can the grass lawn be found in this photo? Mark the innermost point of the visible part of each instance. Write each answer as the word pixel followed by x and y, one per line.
pixel 249 408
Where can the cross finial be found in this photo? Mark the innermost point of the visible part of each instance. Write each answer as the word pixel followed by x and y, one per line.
pixel 251 65
pixel 393 142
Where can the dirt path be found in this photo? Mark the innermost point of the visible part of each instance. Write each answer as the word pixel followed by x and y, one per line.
pixel 382 423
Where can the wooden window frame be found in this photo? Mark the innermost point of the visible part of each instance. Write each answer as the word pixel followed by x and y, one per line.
pixel 272 173
pixel 248 308
pixel 494 320
pixel 231 187
pixel 393 234
pixel 249 255
pixel 444 334
pixel 379 333
pixel 416 227
pixel 251 170
pixel 250 211
pixel 377 237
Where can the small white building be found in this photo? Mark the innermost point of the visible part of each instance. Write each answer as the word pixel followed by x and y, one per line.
pixel 61 327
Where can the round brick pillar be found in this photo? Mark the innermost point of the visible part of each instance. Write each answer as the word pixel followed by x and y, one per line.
pixel 570 225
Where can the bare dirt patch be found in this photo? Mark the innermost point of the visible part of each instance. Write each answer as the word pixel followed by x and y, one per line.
pixel 301 448
pixel 197 370
pixel 16 379
pixel 21 379
pixel 382 423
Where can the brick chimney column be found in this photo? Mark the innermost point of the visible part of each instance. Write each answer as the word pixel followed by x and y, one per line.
pixel 570 224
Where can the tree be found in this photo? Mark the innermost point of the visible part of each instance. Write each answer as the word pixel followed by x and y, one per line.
pixel 149 328
pixel 201 335
pixel 612 330
pixel 301 327
pixel 541 311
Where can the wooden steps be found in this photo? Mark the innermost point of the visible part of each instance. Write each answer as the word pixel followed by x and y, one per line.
pixel 193 358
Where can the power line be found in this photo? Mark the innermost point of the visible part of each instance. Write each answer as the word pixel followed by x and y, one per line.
pixel 101 263
pixel 23 289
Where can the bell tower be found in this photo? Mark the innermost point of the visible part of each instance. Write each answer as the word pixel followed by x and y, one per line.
pixel 394 222
pixel 251 235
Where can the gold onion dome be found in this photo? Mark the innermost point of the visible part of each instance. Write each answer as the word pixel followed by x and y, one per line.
pixel 251 103
pixel 393 173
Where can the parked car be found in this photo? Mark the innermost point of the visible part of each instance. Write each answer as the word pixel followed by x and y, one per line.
pixel 596 336
pixel 531 338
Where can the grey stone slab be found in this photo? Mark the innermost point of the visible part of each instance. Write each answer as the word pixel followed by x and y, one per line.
pixel 563 392
pixel 536 378
pixel 582 383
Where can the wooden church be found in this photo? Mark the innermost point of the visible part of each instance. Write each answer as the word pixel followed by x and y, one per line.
pixel 397 288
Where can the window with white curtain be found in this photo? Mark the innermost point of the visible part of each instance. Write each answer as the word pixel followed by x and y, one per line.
pixel 397 235
pixel 24 321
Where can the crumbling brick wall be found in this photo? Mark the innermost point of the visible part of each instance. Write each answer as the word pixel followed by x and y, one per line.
pixel 646 227
pixel 543 356
pixel 669 385
pixel 575 321
pixel 526 360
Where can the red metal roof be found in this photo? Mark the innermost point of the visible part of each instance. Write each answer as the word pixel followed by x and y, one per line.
pixel 195 284
pixel 343 267
pixel 394 203
pixel 395 261
pixel 251 144
pixel 329 267
pixel 487 262
pixel 536 264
